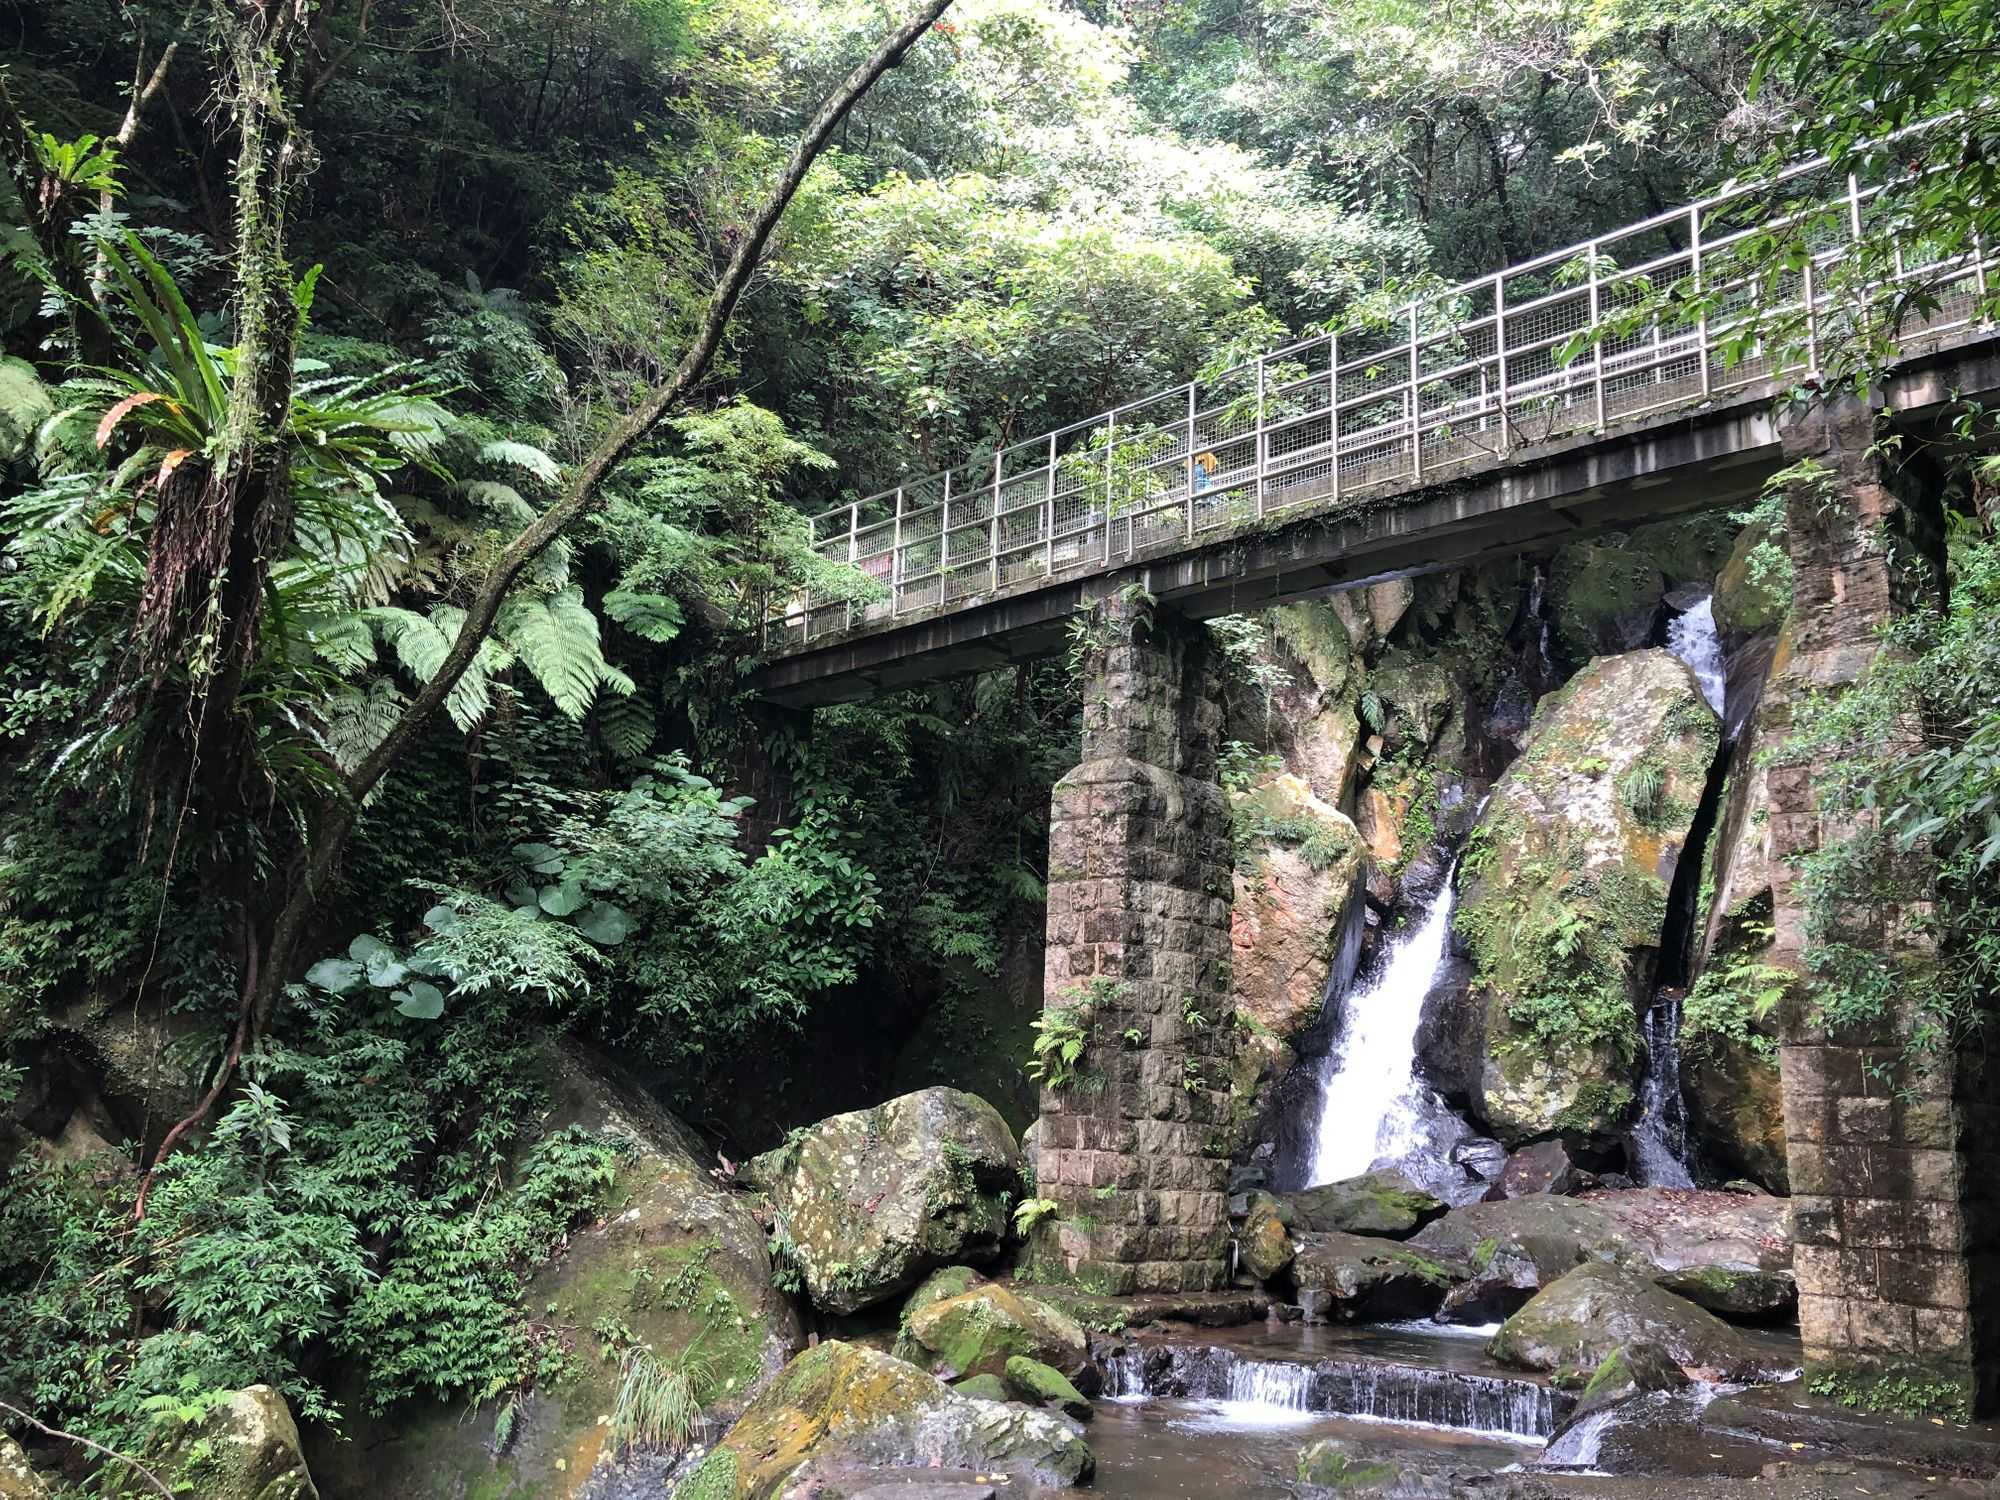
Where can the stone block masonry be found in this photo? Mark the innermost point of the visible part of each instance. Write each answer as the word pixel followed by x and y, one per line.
pixel 1896 1228
pixel 1138 948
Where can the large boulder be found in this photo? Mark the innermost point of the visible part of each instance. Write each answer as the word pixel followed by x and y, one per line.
pixel 1627 1371
pixel 1563 891
pixel 1310 718
pixel 678 1264
pixel 1265 1240
pixel 1729 1252
pixel 1753 591
pixel 1384 1203
pixel 1569 1328
pixel 247 1448
pixel 977 1332
pixel 1372 1279
pixel 873 1199
pixel 840 1408
pixel 1605 600
pixel 18 1479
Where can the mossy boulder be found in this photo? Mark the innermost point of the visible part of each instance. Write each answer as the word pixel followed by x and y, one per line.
pixel 1579 1320
pixel 1265 1241
pixel 677 1262
pixel 1563 891
pixel 1299 870
pixel 873 1199
pixel 1311 718
pixel 838 1407
pixel 1604 600
pixel 1336 1465
pixel 977 1332
pixel 1032 1381
pixel 1373 1279
pixel 1417 695
pixel 1384 1203
pixel 984 1387
pixel 951 1281
pixel 18 1479
pixel 1688 550
pixel 1734 1291
pixel 247 1448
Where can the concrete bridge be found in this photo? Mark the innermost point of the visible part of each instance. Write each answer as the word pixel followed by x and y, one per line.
pixel 1520 409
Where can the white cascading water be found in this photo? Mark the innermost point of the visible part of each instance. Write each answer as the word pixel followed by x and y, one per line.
pixel 1371 1101
pixel 1659 1140
pixel 1691 636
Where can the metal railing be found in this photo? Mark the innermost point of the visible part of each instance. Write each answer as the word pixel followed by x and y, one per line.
pixel 1565 344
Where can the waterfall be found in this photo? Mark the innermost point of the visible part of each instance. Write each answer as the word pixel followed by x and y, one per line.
pixel 1369 1389
pixel 1659 1140
pixel 1372 1106
pixel 1692 638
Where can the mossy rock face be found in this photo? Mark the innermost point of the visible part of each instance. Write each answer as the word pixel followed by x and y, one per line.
pixel 1734 1291
pixel 1686 551
pixel 676 1263
pixel 1035 1382
pixel 1605 600
pixel 1563 891
pixel 246 1449
pixel 1418 695
pixel 1334 1464
pixel 984 1388
pixel 838 1406
pixel 18 1479
pixel 1574 1324
pixel 978 1332
pixel 1627 1371
pixel 1384 1203
pixel 875 1198
pixel 1753 592
pixel 1374 1279
pixel 1266 1242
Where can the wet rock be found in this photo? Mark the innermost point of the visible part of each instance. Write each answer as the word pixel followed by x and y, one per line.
pixel 669 1225
pixel 18 1479
pixel 1334 1464
pixel 840 1408
pixel 1370 1278
pixel 1384 1203
pixel 1499 1282
pixel 1605 601
pixel 246 1449
pixel 1563 892
pixel 1315 1305
pixel 1792 1416
pixel 873 1199
pixel 977 1332
pixel 1265 1242
pixel 1451 1034
pixel 1544 1167
pixel 924 1489
pixel 1625 1372
pixel 1659 1232
pixel 1753 591
pixel 1572 1325
pixel 1482 1157
pixel 1034 1382
pixel 1734 1292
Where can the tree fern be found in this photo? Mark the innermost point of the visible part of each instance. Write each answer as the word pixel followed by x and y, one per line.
pixel 355 722
pixel 557 637
pixel 498 499
pixel 651 617
pixel 521 456
pixel 626 725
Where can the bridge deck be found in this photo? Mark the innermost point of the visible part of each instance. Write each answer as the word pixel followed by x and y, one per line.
pixel 1489 418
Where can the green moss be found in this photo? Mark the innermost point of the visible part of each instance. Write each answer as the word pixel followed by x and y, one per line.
pixel 1483 1253
pixel 714 1478
pixel 983 1388
pixel 1328 1466
pixel 1041 1383
pixel 1596 1104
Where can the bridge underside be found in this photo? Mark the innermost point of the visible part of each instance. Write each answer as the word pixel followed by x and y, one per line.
pixel 1651 469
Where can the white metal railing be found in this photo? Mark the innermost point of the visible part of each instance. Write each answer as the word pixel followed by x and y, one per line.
pixel 1455 381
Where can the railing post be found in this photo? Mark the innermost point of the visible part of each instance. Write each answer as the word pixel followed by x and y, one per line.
pixel 1049 516
pixel 1333 406
pixel 1700 296
pixel 1853 208
pixel 993 533
pixel 1500 353
pixel 853 549
pixel 1110 451
pixel 896 560
pixel 944 545
pixel 1596 339
pixel 1812 318
pixel 1187 461
pixel 1259 443
pixel 1416 405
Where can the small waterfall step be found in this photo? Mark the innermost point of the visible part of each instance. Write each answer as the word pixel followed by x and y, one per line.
pixel 1377 1389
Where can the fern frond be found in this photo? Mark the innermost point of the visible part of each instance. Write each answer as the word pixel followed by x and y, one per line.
pixel 521 456
pixel 626 725
pixel 557 637
pixel 356 722
pixel 500 500
pixel 651 617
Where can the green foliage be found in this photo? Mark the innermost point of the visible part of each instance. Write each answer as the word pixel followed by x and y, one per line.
pixel 1031 1211
pixel 1735 992
pixel 1062 1036
pixel 656 1409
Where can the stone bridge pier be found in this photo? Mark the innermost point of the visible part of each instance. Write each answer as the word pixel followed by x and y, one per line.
pixel 1892 1159
pixel 1132 1149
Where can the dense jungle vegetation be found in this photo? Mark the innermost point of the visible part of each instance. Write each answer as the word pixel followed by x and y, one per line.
pixel 378 567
